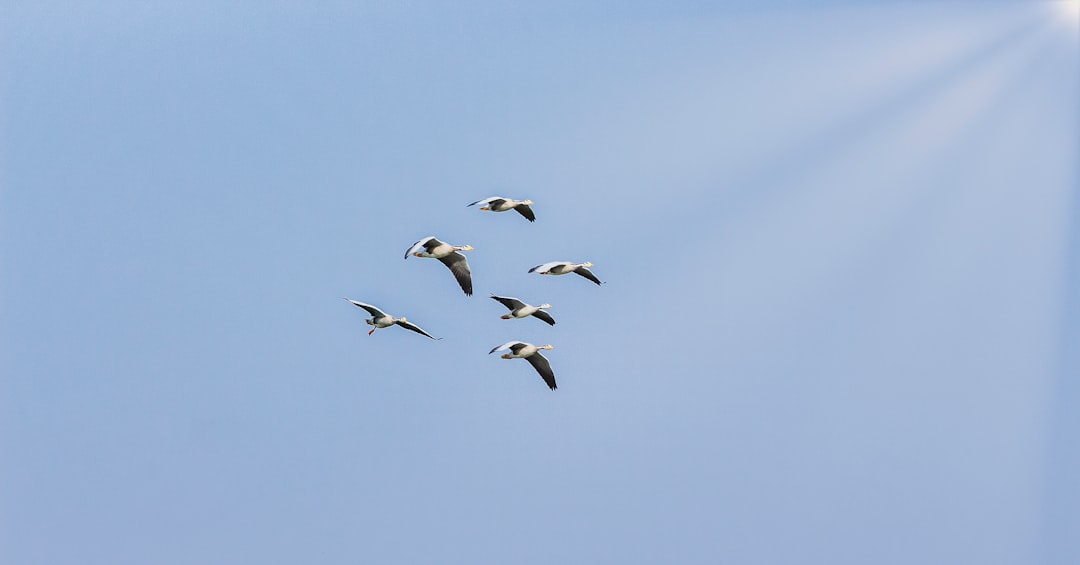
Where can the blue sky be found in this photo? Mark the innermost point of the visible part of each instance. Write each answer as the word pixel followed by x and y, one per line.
pixel 839 324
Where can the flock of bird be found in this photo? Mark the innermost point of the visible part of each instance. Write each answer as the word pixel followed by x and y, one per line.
pixel 451 256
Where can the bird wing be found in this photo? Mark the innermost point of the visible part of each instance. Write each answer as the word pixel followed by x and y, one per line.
pixel 486 200
pixel 414 327
pixel 371 309
pixel 545 317
pixel 422 243
pixel 540 363
pixel 460 267
pixel 587 274
pixel 506 345
pixel 509 302
pixel 546 266
pixel 524 210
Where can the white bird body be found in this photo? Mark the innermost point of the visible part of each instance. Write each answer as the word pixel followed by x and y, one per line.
pixel 564 267
pixel 527 310
pixel 531 353
pixel 437 250
pixel 381 319
pixel 503 204
pixel 519 309
pixel 448 254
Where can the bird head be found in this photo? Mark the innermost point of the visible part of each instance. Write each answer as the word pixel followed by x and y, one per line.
pixel 464 248
pixel 403 320
pixel 586 264
pixel 544 306
pixel 527 202
pixel 546 347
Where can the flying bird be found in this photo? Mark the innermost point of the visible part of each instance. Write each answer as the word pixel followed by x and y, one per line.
pixel 563 267
pixel 502 204
pixel 531 353
pixel 519 309
pixel 449 256
pixel 381 319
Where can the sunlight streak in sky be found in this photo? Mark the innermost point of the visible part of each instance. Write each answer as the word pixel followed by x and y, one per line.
pixel 1069 11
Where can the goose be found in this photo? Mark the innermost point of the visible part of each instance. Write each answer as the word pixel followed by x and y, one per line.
pixel 449 256
pixel 519 309
pixel 563 267
pixel 531 353
pixel 381 319
pixel 502 204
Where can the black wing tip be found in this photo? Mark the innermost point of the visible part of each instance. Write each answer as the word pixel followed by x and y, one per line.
pixel 585 273
pixel 544 316
pixel 415 328
pixel 526 212
pixel 425 334
pixel 543 368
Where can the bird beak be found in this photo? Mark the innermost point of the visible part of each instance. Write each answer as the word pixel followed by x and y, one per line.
pixel 467 248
